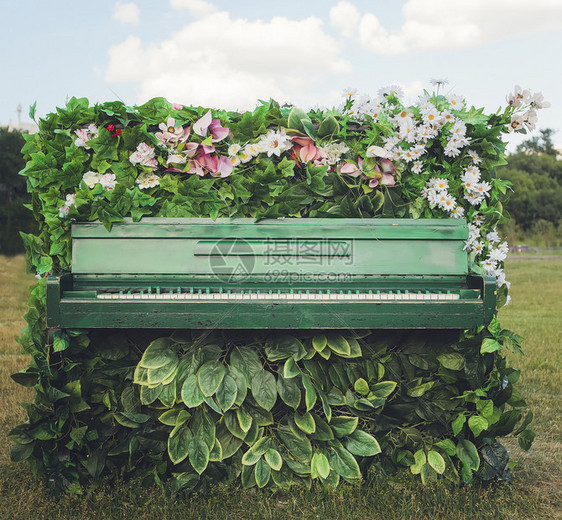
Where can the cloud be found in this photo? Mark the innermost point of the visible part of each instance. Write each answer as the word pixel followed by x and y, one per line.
pixel 452 24
pixel 345 16
pixel 126 12
pixel 218 61
pixel 199 8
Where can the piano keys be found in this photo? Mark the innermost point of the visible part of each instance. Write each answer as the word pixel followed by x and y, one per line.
pixel 284 273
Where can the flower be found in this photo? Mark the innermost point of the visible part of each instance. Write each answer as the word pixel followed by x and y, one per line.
pixel 474 156
pixel 148 180
pixel 144 155
pixel 351 168
pixel 91 178
pixel 171 134
pixel 518 97
pixel 108 181
pixel 537 101
pixel 275 142
pixel 85 134
pixel 305 149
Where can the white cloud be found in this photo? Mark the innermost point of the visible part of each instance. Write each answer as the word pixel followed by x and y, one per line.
pixel 454 24
pixel 126 12
pixel 345 16
pixel 199 8
pixel 222 62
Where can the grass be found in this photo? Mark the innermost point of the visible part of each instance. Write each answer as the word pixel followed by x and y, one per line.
pixel 535 491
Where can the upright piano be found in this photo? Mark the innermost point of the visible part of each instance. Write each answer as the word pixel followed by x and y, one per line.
pixel 293 273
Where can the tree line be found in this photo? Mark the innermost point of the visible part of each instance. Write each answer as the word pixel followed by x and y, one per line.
pixel 535 203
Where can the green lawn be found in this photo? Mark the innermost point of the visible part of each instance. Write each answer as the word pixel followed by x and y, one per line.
pixel 535 491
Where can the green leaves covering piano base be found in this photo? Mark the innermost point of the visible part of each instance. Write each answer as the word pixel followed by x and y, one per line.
pixel 270 408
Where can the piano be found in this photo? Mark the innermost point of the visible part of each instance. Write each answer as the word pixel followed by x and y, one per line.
pixel 293 273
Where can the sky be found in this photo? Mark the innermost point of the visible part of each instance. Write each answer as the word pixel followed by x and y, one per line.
pixel 231 53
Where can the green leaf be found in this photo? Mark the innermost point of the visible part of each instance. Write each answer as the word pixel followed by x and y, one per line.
pixel 329 126
pixel 344 463
pixel 526 438
pixel 264 389
pixel 319 465
pixel 420 460
pixel 290 369
pixel 273 458
pixel 227 392
pixel 198 454
pixel 458 423
pixel 338 344
pixel 344 426
pixel 210 376
pixel 191 394
pixel 159 353
pixel 468 454
pixel 305 422
pixel 178 443
pixel 295 119
pixel 300 448
pixel 244 419
pixel 384 388
pixel 489 345
pixel 319 342
pixel 216 454
pixel 361 443
pixel 309 392
pixel 448 446
pixel 361 386
pixel 477 424
pixel 451 361
pixel 289 391
pixel 436 461
pixel 262 472
pixel 246 360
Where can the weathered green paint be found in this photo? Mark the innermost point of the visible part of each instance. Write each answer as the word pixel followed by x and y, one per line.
pixel 299 254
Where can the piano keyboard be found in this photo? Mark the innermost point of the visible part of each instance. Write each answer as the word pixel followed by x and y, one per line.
pixel 274 295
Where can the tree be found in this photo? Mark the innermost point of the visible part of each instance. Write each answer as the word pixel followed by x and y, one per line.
pixel 540 144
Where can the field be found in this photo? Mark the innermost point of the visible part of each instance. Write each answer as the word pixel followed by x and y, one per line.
pixel 535 491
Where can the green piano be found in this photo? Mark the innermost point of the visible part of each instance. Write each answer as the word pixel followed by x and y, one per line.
pixel 292 273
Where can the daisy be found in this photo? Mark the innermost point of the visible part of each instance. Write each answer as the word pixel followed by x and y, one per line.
pixel 456 102
pixel 474 156
pixel 417 167
pixel 457 212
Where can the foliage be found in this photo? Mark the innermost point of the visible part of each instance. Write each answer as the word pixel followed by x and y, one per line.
pixel 14 217
pixel 274 409
pixel 536 176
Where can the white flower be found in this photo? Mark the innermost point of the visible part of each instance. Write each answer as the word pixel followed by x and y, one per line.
pixel 275 143
pixel 483 188
pixel 433 197
pixel 447 202
pixel 500 278
pixel 478 220
pixel 537 101
pixel 438 184
pixel 148 180
pixel 235 160
pixel 457 212
pixel 384 92
pixel 91 179
pixel 71 199
pixel 530 119
pixel 176 159
pixel 63 211
pixel 507 300
pixel 489 266
pixel 170 133
pixel 350 92
pixel 234 149
pixel 517 121
pixel 459 128
pixel 456 102
pixel 334 151
pixel 417 167
pixel 474 156
pixel 378 151
pixel 497 255
pixel 477 247
pixel 245 156
pixel 452 151
pixel 431 116
pixel 108 181
pixel 493 237
pixel 518 97
pixel 473 198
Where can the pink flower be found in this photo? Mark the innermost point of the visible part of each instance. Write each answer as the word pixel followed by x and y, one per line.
pixel 172 134
pixel 218 132
pixel 352 169
pixel 385 174
pixel 225 166
pixel 305 149
pixel 177 106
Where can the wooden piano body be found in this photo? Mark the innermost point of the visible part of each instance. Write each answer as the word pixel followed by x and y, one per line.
pixel 274 274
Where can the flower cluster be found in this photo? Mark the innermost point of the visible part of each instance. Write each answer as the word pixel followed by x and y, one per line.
pixel 523 98
pixel 85 134
pixel 65 208
pixel 107 180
